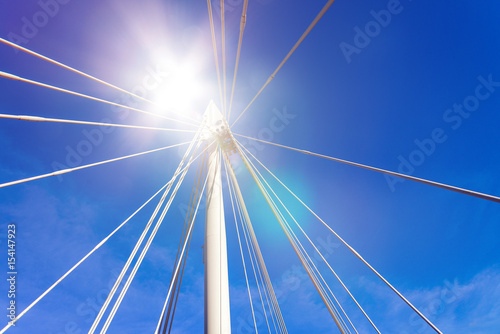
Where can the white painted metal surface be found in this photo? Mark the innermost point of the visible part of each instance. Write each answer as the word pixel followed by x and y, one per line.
pixel 217 313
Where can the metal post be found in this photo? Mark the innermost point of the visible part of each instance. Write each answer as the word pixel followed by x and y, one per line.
pixel 217 314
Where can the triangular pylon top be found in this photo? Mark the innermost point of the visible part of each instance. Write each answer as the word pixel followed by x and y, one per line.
pixel 214 124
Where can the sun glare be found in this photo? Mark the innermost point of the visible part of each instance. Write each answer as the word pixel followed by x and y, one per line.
pixel 182 89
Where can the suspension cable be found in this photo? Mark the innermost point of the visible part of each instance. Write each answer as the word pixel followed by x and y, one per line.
pixel 306 260
pixel 408 177
pixel 299 249
pixel 301 246
pixel 275 212
pixel 314 274
pixel 266 288
pixel 189 233
pixel 314 246
pixel 67 91
pixel 189 243
pixel 249 245
pixel 38 55
pixel 132 255
pixel 223 33
pixel 58 120
pixel 145 249
pixel 308 30
pixel 240 40
pixel 231 191
pixel 214 46
pixel 68 170
pixel 103 241
pixel 256 246
pixel 256 270
pixel 165 317
pixel 349 246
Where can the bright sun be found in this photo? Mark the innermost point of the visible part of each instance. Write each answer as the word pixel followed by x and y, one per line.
pixel 181 88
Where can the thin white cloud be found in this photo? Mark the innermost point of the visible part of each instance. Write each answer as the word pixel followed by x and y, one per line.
pixel 454 306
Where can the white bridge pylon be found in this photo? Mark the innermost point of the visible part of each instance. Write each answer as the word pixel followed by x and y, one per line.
pixel 217 313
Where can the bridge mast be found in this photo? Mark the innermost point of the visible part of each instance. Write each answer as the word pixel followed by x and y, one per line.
pixel 217 313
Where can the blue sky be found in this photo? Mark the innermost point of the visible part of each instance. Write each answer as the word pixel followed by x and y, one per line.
pixel 418 92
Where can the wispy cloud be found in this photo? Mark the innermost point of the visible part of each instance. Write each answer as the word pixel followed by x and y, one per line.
pixel 471 306
pixel 454 307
